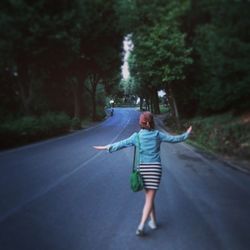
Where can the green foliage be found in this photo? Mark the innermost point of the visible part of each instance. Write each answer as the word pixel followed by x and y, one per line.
pixel 31 128
pixel 76 123
pixel 101 103
pixel 225 72
pixel 56 121
pixel 50 51
pixel 212 77
pixel 100 113
pixel 223 133
pixel 160 52
pixel 164 109
pixel 220 76
pixel 46 44
pixel 164 48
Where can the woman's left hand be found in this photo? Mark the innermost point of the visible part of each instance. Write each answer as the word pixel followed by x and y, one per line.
pixel 189 129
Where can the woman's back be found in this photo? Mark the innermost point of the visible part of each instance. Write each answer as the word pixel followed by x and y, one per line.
pixel 149 146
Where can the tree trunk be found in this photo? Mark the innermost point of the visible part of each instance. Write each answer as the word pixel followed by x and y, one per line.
pixel 155 99
pixel 77 97
pixel 151 104
pixel 173 104
pixel 141 103
pixel 25 89
pixel 93 82
pixel 93 97
pixel 147 103
pixel 25 100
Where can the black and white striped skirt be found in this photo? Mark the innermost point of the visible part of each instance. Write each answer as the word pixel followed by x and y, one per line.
pixel 151 175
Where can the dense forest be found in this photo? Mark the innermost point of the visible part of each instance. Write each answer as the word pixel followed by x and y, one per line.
pixel 54 54
pixel 61 60
pixel 198 51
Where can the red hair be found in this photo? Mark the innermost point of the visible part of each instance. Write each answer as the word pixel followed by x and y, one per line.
pixel 147 120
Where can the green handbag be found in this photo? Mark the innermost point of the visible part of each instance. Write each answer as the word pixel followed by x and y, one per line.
pixel 136 182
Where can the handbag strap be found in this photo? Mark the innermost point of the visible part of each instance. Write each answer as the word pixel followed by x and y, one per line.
pixel 136 159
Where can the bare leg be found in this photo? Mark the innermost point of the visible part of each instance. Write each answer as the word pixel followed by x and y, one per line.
pixel 148 206
pixel 152 214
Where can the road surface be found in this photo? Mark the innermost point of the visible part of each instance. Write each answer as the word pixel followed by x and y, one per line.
pixel 62 194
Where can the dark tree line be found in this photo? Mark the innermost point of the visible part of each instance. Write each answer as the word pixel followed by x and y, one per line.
pixel 56 54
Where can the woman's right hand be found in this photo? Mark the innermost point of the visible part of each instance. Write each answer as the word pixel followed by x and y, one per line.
pixel 100 147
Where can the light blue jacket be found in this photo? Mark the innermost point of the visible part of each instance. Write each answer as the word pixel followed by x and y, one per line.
pixel 150 141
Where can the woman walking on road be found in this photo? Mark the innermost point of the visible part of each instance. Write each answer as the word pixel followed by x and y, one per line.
pixel 149 162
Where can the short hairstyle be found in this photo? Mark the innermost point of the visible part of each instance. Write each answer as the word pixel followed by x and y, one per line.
pixel 147 121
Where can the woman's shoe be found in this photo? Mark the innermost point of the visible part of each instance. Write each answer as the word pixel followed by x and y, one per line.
pixel 152 225
pixel 139 232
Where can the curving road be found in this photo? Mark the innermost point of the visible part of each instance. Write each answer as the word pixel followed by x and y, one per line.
pixel 62 194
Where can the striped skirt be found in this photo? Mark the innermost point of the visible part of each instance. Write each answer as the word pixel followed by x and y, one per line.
pixel 151 175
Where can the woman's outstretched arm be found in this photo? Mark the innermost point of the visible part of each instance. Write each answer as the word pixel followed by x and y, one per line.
pixel 165 137
pixel 119 145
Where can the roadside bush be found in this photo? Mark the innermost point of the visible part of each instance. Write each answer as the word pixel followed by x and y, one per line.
pixel 224 134
pixel 100 113
pixel 28 129
pixel 54 123
pixel 76 123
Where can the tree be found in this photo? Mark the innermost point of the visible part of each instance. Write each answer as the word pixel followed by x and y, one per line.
pixel 223 46
pixel 53 47
pixel 37 44
pixel 160 50
pixel 219 75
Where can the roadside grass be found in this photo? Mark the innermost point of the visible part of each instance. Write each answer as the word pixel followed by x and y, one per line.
pixel 225 134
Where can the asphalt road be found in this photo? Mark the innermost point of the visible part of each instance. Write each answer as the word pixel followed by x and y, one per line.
pixel 63 194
